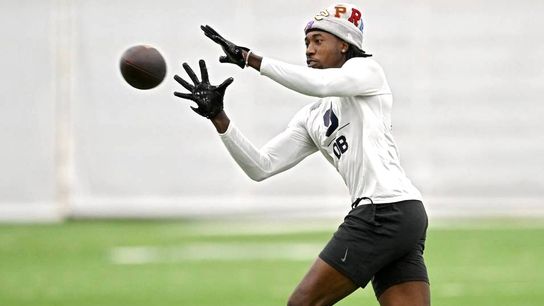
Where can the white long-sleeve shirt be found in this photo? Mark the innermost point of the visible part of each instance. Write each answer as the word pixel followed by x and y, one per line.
pixel 350 124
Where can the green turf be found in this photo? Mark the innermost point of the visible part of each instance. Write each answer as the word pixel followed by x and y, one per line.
pixel 70 264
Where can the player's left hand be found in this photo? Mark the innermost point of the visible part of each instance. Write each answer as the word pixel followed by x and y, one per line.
pixel 234 53
pixel 208 98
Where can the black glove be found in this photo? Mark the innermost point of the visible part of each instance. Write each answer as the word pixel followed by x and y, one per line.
pixel 209 98
pixel 233 52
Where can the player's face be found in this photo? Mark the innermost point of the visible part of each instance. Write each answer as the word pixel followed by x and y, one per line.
pixel 324 50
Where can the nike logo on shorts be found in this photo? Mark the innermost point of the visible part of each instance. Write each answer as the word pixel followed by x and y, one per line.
pixel 345 256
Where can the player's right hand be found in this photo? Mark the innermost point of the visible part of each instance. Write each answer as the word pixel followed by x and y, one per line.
pixel 234 54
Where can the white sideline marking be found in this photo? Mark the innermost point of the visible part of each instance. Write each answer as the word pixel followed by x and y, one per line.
pixel 137 255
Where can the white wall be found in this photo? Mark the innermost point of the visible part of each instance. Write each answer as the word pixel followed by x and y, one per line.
pixel 467 78
pixel 27 115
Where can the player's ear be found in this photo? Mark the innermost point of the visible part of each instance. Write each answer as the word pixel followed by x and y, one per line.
pixel 344 46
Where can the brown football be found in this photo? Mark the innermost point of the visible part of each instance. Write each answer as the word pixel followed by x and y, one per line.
pixel 143 67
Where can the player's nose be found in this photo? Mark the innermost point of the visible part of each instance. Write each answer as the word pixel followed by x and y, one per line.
pixel 310 50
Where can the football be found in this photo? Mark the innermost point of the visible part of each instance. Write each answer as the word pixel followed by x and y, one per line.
pixel 143 67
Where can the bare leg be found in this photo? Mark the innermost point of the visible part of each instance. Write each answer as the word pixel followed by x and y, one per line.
pixel 322 285
pixel 407 294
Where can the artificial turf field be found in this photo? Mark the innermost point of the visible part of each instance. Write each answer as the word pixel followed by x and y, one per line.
pixel 480 263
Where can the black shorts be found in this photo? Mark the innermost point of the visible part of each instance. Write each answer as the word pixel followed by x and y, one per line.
pixel 380 242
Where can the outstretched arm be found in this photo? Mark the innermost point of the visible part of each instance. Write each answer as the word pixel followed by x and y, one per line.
pixel 281 153
pixel 356 77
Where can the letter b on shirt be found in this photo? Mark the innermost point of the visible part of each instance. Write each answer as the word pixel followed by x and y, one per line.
pixel 340 146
